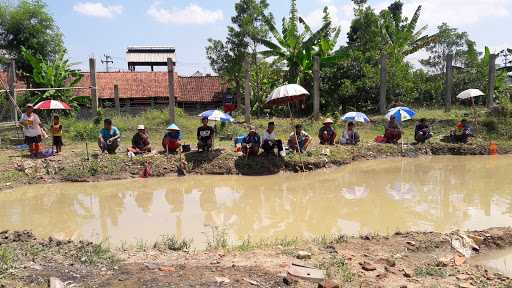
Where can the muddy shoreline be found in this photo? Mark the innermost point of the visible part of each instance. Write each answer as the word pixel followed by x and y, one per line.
pixel 76 168
pixel 404 259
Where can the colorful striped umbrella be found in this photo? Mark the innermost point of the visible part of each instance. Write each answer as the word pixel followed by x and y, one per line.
pixel 52 105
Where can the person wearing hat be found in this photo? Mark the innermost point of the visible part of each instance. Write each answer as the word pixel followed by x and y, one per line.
pixel 299 140
pixel 109 137
pixel 32 130
pixel 205 135
pixel 251 143
pixel 326 134
pixel 140 141
pixel 172 139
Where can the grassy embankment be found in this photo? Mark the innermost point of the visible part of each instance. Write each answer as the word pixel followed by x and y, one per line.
pixel 70 165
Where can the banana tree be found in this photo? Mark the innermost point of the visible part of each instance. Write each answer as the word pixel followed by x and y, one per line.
pixel 58 73
pixel 295 48
pixel 400 36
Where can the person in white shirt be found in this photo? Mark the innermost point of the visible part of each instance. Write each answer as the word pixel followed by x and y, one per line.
pixel 270 143
pixel 350 135
pixel 32 130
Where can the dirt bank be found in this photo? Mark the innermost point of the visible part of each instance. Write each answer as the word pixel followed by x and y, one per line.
pixel 73 166
pixel 413 259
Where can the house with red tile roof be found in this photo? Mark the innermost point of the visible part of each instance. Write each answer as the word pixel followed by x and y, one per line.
pixel 151 88
pixel 140 89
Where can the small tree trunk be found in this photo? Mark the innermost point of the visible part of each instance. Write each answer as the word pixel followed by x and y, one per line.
pixel 172 97
pixel 383 83
pixel 247 91
pixel 12 89
pixel 316 89
pixel 448 84
pixel 94 97
pixel 492 80
pixel 116 99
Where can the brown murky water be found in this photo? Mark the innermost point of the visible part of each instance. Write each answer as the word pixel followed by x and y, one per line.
pixel 498 261
pixel 441 194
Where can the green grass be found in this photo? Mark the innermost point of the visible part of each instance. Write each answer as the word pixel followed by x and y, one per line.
pixel 96 254
pixel 218 238
pixel 429 270
pixel 337 268
pixel 172 243
pixel 7 260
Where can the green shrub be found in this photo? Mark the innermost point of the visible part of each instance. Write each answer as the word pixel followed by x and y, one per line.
pixel 7 260
pixel 490 124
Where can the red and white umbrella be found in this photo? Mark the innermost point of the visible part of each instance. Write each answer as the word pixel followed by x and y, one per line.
pixel 52 105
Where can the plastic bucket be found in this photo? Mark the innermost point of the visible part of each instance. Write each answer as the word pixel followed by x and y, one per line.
pixel 493 148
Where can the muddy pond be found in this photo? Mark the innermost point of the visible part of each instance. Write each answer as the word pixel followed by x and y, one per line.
pixel 384 196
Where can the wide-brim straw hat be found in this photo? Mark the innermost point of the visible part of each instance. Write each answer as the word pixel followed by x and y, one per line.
pixel 141 127
pixel 328 121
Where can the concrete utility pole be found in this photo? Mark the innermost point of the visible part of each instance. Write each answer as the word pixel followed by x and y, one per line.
pixel 11 82
pixel 316 89
pixel 172 99
pixel 116 99
pixel 383 83
pixel 94 97
pixel 448 83
pixel 247 90
pixel 108 60
pixel 492 80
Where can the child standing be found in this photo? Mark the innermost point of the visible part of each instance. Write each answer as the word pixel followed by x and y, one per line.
pixel 56 129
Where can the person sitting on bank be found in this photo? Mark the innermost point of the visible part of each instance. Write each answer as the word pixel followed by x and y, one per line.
pixel 251 143
pixel 461 133
pixel 140 141
pixel 422 131
pixel 172 139
pixel 109 137
pixel 205 135
pixel 350 135
pixel 299 140
pixel 327 135
pixel 392 133
pixel 270 143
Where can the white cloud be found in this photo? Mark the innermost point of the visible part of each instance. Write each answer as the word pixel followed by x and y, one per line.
pixel 98 9
pixel 458 13
pixel 191 14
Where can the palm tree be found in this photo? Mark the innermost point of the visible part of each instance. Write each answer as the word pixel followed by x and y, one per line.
pixel 295 48
pixel 400 35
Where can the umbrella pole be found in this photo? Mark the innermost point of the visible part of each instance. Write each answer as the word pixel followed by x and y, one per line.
pixel 475 113
pixel 296 138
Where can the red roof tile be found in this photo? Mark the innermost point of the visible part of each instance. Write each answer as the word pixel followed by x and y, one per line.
pixel 204 89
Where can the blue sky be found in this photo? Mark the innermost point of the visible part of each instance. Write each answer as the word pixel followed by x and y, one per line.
pixel 96 27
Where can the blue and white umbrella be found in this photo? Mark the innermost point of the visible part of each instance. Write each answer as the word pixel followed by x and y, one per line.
pixel 216 115
pixel 355 117
pixel 401 113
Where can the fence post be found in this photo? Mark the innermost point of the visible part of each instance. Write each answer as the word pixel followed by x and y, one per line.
pixel 492 80
pixel 94 97
pixel 11 82
pixel 172 99
pixel 116 99
pixel 448 83
pixel 247 90
pixel 383 83
pixel 316 89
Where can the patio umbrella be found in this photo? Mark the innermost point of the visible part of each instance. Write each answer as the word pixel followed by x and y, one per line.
pixel 355 117
pixel 216 115
pixel 470 93
pixel 52 105
pixel 286 94
pixel 401 113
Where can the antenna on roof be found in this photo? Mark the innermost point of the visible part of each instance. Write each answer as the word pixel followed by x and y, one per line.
pixel 107 61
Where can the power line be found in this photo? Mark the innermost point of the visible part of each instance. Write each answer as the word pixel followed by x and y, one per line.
pixel 107 61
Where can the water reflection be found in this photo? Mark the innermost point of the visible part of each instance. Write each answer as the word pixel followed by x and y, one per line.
pixel 378 196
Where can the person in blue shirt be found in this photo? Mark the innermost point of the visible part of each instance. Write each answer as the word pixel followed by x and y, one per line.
pixel 109 137
pixel 251 143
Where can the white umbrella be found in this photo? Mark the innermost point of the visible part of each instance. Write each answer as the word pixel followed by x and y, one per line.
pixel 470 93
pixel 286 94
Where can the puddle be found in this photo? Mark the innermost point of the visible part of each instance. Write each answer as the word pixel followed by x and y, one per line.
pixel 497 261
pixel 384 196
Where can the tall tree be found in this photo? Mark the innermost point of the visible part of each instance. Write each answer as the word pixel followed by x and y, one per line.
pixel 29 25
pixel 295 48
pixel 450 41
pixel 226 57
